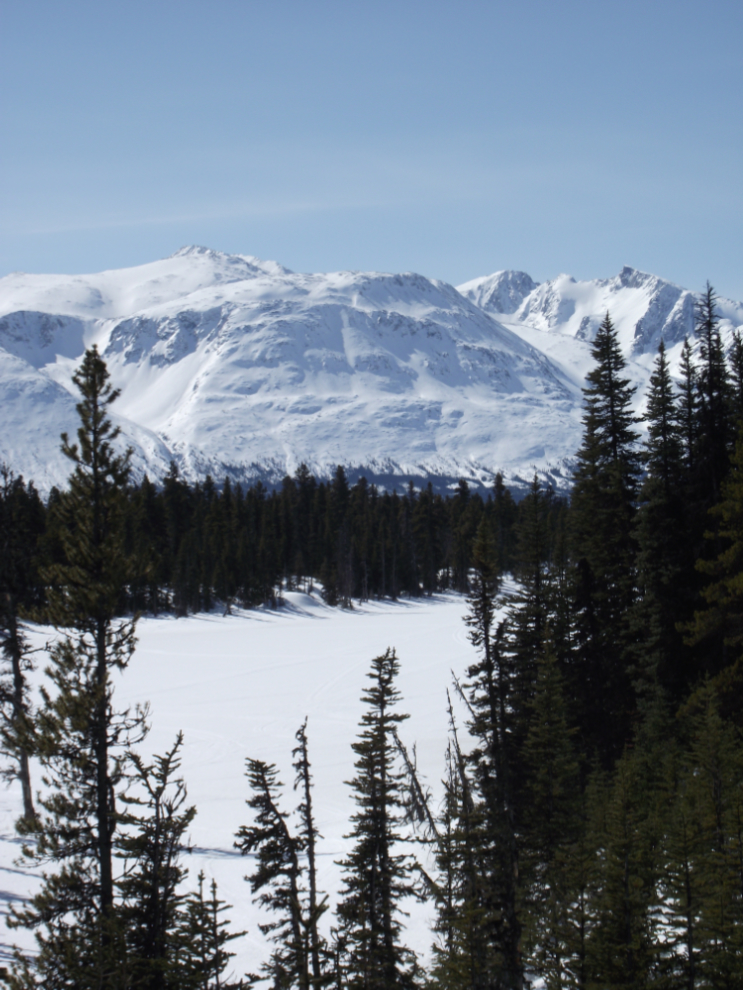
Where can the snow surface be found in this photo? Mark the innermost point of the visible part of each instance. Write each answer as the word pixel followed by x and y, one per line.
pixel 233 366
pixel 240 686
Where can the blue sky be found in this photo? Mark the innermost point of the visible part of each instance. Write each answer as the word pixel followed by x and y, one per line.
pixel 452 139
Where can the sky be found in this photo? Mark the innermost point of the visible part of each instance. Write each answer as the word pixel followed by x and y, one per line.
pixel 449 138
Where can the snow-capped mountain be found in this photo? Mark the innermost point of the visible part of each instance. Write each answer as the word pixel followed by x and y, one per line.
pixel 231 365
pixel 561 317
pixel 644 308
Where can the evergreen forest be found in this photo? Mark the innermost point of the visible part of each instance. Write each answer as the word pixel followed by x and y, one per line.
pixel 590 833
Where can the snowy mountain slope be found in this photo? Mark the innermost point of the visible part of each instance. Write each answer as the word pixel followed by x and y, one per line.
pixel 250 370
pixel 231 365
pixel 35 410
pixel 643 307
pixel 560 318
pixel 123 292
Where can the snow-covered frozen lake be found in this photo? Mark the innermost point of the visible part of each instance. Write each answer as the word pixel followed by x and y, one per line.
pixel 240 686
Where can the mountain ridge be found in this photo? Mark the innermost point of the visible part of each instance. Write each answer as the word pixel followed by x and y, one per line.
pixel 233 366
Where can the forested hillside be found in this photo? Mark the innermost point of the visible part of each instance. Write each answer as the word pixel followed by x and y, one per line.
pixel 591 834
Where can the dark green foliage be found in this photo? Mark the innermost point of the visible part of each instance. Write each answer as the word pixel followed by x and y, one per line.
pixel 79 737
pixel 151 836
pixel 551 824
pixel 491 694
pixel 688 408
pixel 603 550
pixel 315 946
pixel 703 882
pixel 721 616
pixel 502 512
pixel 665 561
pixel 529 607
pixel 276 877
pixel 715 426
pixel 376 877
pixel 205 938
pixel 461 952
pixel 196 546
pixel 21 527
pixel 736 380
pixel 285 875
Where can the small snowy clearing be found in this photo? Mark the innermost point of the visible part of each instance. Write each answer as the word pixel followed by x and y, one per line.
pixel 240 686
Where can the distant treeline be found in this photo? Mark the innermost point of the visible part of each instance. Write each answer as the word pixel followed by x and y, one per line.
pixel 198 545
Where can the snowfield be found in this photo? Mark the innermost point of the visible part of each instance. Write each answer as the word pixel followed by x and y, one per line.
pixel 240 686
pixel 234 366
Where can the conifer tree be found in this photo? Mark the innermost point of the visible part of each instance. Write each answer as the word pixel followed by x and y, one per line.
pixel 16 733
pixel 276 877
pixel 205 938
pixel 503 513
pixel 705 875
pixel 715 427
pixel 376 877
pixel 529 606
pixel 679 880
pixel 623 947
pixel 603 544
pixel 80 738
pixel 722 616
pixel 426 525
pixel 460 950
pixel 664 556
pixel 315 945
pixel 151 837
pixel 490 695
pixel 551 823
pixel 736 376
pixel 688 413
pixel 18 535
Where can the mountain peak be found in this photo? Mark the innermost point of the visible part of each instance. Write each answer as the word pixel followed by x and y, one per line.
pixel 501 292
pixel 249 261
pixel 191 249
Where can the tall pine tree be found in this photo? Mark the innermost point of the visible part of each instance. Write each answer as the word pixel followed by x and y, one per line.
pixel 376 878
pixel 604 547
pixel 80 737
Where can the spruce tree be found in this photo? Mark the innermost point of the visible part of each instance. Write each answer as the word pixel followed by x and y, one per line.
pixel 316 946
pixel 664 555
pixel 622 946
pixel 276 878
pixel 705 874
pixel 603 546
pixel 151 837
pixel 18 537
pixel 715 421
pixel 376 878
pixel 529 607
pixel 503 518
pixel 721 617
pixel 551 823
pixel 688 411
pixel 679 880
pixel 460 950
pixel 205 938
pixel 736 379
pixel 494 725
